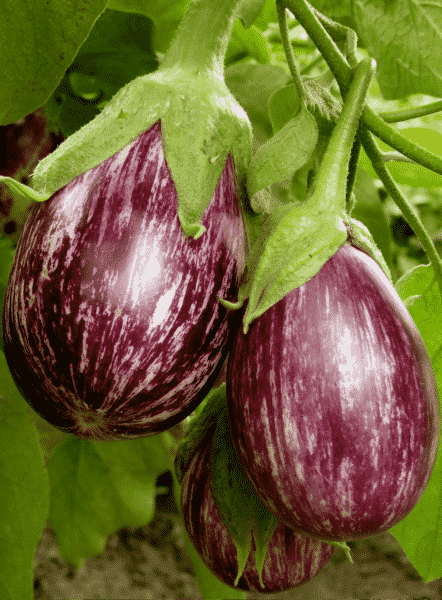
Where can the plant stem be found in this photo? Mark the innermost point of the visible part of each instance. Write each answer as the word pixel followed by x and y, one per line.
pixel 343 74
pixel 322 40
pixel 202 37
pixel 407 209
pixel 341 33
pixel 291 61
pixel 412 113
pixel 331 181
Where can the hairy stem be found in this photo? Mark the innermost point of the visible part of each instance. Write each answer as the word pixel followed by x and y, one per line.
pixel 202 37
pixel 291 61
pixel 412 113
pixel 343 74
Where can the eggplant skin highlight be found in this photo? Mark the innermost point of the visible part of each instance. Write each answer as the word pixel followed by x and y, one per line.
pixel 112 327
pixel 333 403
pixel 291 560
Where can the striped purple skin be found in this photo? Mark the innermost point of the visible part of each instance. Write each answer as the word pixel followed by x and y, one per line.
pixel 333 403
pixel 112 327
pixel 291 559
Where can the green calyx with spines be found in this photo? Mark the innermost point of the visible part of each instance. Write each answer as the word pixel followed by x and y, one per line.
pixel 201 122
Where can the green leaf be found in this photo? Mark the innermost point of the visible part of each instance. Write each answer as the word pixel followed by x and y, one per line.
pixel 39 40
pixel 248 11
pixel 252 85
pixel 118 49
pixel 267 15
pixel 99 487
pixel 420 533
pixel 283 105
pixel 276 160
pixel 247 42
pixel 404 38
pixel 426 312
pixel 24 496
pixel 167 15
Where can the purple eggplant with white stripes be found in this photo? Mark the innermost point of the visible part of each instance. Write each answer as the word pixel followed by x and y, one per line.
pixel 291 558
pixel 333 403
pixel 112 327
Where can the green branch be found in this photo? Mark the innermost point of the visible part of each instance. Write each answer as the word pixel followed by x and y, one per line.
pixel 212 22
pixel 343 74
pixel 408 210
pixel 291 61
pixel 412 113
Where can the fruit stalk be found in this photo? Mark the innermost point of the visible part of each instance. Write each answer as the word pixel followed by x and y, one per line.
pixel 213 20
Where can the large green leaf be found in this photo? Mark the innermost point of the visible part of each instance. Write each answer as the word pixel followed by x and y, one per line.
pixel 99 487
pixel 420 533
pixel 24 492
pixel 166 15
pixel 38 42
pixel 405 38
pixel 252 85
pixel 118 49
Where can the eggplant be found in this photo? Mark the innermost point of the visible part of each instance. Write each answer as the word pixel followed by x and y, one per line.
pixel 291 559
pixel 333 403
pixel 112 327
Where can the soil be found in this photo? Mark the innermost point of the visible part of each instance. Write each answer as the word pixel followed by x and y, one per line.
pixel 151 563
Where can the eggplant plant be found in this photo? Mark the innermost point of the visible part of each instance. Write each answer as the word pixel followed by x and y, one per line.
pixel 154 221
